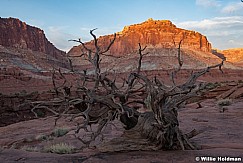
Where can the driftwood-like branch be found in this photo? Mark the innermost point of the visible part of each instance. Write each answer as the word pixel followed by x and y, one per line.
pixel 64 89
pixel 180 63
pixel 164 102
pixel 194 76
pixel 109 46
pixel 140 50
pixel 100 100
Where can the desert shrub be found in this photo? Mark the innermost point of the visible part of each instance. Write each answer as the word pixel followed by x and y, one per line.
pixel 23 93
pixel 211 85
pixel 40 113
pixel 61 148
pixel 42 137
pixel 30 149
pixel 59 132
pixel 224 102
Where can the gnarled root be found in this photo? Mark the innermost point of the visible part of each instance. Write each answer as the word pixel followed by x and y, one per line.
pixel 165 137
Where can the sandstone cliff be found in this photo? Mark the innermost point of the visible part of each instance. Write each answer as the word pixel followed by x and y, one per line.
pixel 154 34
pixel 15 33
pixel 233 55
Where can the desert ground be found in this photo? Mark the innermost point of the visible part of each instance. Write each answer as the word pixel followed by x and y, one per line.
pixel 220 130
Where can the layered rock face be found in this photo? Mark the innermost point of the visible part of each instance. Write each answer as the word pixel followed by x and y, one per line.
pixel 233 55
pixel 154 34
pixel 15 33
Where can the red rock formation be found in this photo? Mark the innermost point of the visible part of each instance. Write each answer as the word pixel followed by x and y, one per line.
pixel 233 55
pixel 154 34
pixel 15 33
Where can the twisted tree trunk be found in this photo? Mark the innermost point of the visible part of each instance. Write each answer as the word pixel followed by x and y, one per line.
pixel 103 101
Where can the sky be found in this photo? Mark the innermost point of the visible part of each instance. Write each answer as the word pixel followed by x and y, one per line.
pixel 220 20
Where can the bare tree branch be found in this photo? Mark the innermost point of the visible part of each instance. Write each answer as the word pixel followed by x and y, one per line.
pixel 99 100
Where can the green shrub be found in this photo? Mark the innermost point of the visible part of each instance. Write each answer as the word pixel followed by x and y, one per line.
pixel 60 132
pixel 61 148
pixel 224 102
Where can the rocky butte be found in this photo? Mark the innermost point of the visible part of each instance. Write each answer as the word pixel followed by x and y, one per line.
pixel 154 34
pixel 234 55
pixel 15 33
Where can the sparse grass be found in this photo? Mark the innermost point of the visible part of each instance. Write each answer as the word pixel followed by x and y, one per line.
pixel 224 102
pixel 60 132
pixel 42 137
pixel 212 85
pixel 61 148
pixel 30 149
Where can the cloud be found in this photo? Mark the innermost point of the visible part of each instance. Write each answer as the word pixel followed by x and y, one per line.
pixel 59 37
pixel 219 30
pixel 235 42
pixel 214 23
pixel 208 3
pixel 233 8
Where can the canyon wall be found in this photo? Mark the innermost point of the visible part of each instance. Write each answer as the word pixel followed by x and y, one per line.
pixel 15 33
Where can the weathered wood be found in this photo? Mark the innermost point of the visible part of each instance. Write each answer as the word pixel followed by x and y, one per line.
pixel 103 101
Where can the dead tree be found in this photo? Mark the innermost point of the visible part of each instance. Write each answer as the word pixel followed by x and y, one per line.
pixel 100 100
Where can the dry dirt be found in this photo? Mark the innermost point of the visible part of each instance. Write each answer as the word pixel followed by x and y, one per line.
pixel 221 136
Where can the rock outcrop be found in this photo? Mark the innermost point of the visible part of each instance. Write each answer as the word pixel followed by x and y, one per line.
pixel 234 56
pixel 15 33
pixel 154 34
